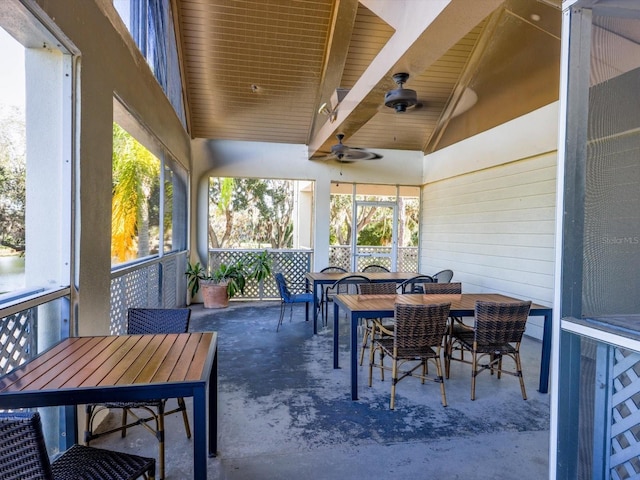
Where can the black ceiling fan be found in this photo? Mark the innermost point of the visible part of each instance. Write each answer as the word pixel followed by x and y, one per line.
pixel 401 99
pixel 345 154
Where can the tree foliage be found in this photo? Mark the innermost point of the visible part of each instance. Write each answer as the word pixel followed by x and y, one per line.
pixel 136 174
pixel 374 225
pixel 341 224
pixel 250 212
pixel 12 178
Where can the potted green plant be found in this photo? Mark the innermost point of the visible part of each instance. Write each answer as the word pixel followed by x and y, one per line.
pixel 195 272
pixel 228 280
pixel 260 266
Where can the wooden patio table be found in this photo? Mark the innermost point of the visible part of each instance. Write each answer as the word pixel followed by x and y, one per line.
pixel 462 305
pixel 81 370
pixel 318 279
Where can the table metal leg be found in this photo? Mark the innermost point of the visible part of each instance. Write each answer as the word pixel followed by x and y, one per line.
pixel 315 307
pixel 545 360
pixel 354 357
pixel 335 336
pixel 212 396
pixel 200 424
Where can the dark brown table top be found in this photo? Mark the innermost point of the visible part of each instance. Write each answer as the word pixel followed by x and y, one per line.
pixel 108 361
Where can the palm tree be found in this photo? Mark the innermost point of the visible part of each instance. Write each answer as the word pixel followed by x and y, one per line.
pixel 135 173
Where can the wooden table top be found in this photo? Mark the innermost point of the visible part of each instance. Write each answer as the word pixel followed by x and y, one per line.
pixel 459 302
pixel 108 361
pixel 462 305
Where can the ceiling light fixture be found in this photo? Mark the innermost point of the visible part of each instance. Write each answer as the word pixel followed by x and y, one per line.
pixel 332 114
pixel 336 97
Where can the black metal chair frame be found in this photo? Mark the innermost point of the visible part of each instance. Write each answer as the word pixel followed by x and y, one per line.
pixel 145 321
pixel 23 455
pixel 443 276
pixel 411 284
pixel 375 268
pixel 341 287
pixel 417 339
pixel 323 293
pixel 497 332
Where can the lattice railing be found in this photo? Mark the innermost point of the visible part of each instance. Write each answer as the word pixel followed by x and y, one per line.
pixel 340 256
pixel 294 264
pixel 17 339
pixel 408 259
pixel 625 415
pixel 159 283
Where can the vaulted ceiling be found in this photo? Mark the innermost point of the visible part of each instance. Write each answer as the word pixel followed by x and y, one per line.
pixel 261 70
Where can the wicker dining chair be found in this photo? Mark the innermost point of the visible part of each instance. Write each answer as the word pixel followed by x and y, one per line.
pixel 417 339
pixel 497 333
pixel 375 268
pixel 146 321
pixel 23 455
pixel 415 284
pixel 375 325
pixel 442 288
pixel 455 323
pixel 345 285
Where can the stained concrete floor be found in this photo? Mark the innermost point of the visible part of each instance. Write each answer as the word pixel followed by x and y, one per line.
pixel 285 413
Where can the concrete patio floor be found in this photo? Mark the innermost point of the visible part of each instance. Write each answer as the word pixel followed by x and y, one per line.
pixel 285 413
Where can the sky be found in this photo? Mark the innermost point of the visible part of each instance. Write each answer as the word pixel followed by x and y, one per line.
pixel 11 71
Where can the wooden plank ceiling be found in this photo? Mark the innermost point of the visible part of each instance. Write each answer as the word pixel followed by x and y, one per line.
pixel 259 70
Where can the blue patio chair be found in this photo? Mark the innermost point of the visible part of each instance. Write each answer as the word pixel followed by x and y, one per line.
pixel 23 454
pixel 288 298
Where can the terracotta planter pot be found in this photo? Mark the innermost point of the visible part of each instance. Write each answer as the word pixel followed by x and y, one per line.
pixel 214 295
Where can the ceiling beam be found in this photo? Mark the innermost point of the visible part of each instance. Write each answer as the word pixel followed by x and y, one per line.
pixel 471 68
pixel 424 32
pixel 344 17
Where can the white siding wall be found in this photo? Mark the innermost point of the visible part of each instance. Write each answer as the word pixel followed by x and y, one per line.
pixel 494 227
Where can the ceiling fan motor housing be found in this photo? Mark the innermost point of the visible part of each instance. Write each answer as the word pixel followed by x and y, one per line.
pixel 401 98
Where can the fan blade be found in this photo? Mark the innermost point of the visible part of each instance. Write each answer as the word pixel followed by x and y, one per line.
pixel 355 153
pixel 324 157
pixel 350 156
pixel 344 154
